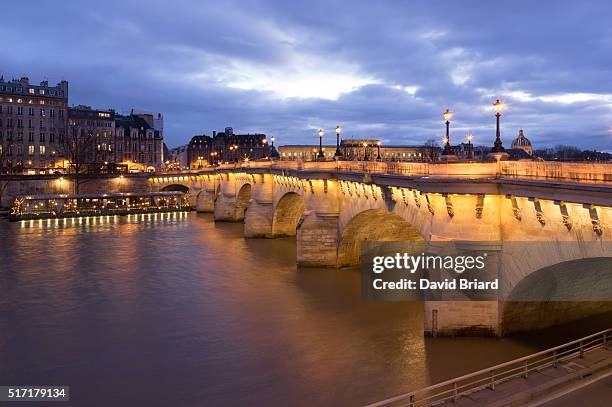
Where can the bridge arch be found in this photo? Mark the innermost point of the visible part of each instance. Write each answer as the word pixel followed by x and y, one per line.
pixel 287 214
pixel 243 199
pixel 563 292
pixel 176 187
pixel 375 225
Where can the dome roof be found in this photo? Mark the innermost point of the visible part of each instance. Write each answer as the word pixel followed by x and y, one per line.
pixel 521 140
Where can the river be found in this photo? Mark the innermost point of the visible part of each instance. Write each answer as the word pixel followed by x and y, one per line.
pixel 180 311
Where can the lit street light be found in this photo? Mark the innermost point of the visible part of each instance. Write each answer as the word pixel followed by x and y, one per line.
pixel 448 115
pixel 378 158
pixel 321 133
pixel 338 153
pixel 498 147
pixel 470 155
pixel 365 151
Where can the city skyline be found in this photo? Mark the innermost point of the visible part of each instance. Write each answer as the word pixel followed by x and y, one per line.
pixel 387 71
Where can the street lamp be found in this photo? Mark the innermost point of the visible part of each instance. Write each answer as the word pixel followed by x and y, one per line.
pixel 200 158
pixel 498 147
pixel 338 131
pixel 470 155
pixel 448 115
pixel 378 158
pixel 365 151
pixel 321 133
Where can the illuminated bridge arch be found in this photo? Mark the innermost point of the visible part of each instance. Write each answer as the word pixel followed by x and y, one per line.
pixel 374 225
pixel 564 292
pixel 243 199
pixel 287 214
pixel 176 187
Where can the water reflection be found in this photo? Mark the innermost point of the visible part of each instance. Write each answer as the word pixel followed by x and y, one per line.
pixel 183 311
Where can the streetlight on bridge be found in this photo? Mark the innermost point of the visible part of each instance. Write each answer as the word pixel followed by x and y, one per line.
pixel 498 147
pixel 338 153
pixel 365 151
pixel 320 155
pixel 448 115
pixel 378 158
pixel 470 154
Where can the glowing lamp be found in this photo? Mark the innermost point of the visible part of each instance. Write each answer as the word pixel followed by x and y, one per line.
pixel 498 106
pixel 448 115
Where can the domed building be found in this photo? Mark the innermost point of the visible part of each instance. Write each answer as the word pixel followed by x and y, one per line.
pixel 522 143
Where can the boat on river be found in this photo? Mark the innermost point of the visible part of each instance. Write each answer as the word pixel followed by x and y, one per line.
pixel 52 206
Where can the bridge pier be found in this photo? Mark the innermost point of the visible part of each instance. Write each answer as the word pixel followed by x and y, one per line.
pixel 461 318
pixel 258 220
pixel 317 240
pixel 205 201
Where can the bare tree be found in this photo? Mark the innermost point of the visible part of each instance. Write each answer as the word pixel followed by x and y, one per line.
pixel 432 150
pixel 80 149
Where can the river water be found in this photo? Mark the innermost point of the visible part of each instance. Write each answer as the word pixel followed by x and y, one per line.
pixel 180 311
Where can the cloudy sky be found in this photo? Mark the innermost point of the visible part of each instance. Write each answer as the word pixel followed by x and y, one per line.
pixel 380 69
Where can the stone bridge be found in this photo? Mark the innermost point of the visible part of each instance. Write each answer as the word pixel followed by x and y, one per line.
pixel 332 207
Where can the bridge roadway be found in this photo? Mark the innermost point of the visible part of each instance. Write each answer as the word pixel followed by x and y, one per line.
pixel 542 224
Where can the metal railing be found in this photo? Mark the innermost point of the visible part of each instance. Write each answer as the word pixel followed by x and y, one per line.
pixel 451 390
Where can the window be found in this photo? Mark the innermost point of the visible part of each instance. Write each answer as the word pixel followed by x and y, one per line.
pixel 31 136
pixel 52 138
pixel 19 110
pixel 52 113
pixel 31 90
pixel 42 137
pixel 61 113
pixel 19 123
pixel 30 124
pixel 42 91
pixel 31 149
pixel 9 109
pixel 42 124
pixel 31 111
pixel 42 112
pixel 42 150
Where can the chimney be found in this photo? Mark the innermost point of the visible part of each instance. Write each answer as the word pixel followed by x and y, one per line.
pixel 214 133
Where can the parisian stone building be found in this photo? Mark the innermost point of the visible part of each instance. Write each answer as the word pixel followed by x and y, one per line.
pixel 139 146
pixel 522 143
pixel 366 149
pixel 96 129
pixel 33 125
pixel 226 146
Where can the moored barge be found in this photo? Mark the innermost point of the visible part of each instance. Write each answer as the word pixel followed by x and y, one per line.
pixel 55 206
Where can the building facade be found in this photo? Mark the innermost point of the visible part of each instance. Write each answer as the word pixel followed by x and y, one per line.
pixel 93 131
pixel 522 143
pixel 366 149
pixel 177 158
pixel 139 145
pixel 33 125
pixel 225 147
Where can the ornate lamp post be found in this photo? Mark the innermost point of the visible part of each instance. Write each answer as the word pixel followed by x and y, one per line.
pixel 498 147
pixel 470 154
pixel 448 115
pixel 200 158
pixel 378 158
pixel 320 155
pixel 338 153
pixel 365 151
